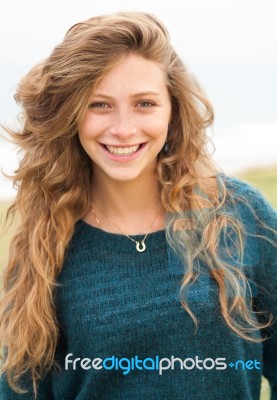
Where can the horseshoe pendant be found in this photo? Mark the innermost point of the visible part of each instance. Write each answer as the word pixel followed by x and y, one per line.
pixel 142 248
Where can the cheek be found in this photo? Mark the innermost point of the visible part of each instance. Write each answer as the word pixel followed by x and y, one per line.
pixel 87 129
pixel 160 129
pixel 161 122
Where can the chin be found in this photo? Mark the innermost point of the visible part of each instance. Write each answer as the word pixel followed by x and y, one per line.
pixel 125 178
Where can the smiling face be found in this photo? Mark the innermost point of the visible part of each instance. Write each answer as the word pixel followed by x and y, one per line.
pixel 125 126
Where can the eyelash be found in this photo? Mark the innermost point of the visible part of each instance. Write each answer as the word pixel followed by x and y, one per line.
pixel 150 103
pixel 99 104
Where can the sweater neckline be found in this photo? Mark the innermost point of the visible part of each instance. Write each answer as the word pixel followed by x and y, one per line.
pixel 93 229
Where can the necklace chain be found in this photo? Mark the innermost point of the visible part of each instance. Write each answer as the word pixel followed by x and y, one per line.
pixel 140 244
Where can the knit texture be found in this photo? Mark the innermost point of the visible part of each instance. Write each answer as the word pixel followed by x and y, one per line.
pixel 114 301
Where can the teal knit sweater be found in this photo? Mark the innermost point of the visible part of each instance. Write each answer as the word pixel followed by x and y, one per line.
pixel 125 335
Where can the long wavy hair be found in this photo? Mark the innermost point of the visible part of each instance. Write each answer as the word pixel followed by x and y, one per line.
pixel 54 178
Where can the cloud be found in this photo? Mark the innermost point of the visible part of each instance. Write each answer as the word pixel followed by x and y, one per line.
pixel 248 146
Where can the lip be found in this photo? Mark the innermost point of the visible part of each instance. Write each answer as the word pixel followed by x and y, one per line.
pixel 122 145
pixel 123 159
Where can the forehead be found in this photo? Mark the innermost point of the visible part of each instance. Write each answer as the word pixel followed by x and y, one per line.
pixel 134 73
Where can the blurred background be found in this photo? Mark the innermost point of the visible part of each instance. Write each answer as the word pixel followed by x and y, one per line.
pixel 229 45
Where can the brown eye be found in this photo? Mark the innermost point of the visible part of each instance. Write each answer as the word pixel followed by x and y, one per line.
pixel 146 104
pixel 98 105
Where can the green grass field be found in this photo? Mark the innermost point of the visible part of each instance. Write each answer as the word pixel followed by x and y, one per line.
pixel 265 180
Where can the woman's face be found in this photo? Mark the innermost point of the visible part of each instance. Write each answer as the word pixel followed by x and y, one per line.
pixel 126 123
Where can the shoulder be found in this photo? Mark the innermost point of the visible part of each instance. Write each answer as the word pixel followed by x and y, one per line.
pixel 243 191
pixel 257 218
pixel 247 197
pixel 238 187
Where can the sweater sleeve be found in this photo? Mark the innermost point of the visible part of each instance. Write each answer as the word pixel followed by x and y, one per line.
pixel 265 222
pixel 267 282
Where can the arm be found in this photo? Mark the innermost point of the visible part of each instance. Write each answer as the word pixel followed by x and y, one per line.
pixel 267 281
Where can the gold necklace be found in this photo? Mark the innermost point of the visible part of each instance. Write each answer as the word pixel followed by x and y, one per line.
pixel 140 245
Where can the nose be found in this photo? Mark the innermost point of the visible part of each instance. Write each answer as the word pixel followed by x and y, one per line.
pixel 123 125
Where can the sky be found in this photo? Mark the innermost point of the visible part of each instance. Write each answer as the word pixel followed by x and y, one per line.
pixel 230 46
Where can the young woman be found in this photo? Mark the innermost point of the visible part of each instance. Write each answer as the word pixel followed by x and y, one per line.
pixel 138 270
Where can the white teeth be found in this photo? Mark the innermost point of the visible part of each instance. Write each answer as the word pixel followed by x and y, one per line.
pixel 122 151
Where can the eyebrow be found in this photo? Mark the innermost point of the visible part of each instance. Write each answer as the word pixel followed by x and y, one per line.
pixel 140 94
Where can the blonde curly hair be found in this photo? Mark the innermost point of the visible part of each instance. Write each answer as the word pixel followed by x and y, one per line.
pixel 54 183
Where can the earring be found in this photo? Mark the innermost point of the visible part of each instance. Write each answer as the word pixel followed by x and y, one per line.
pixel 166 148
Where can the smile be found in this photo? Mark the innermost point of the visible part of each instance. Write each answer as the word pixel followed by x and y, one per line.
pixel 123 151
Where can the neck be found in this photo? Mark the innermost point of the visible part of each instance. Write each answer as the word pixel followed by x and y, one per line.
pixel 131 205
pixel 123 198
